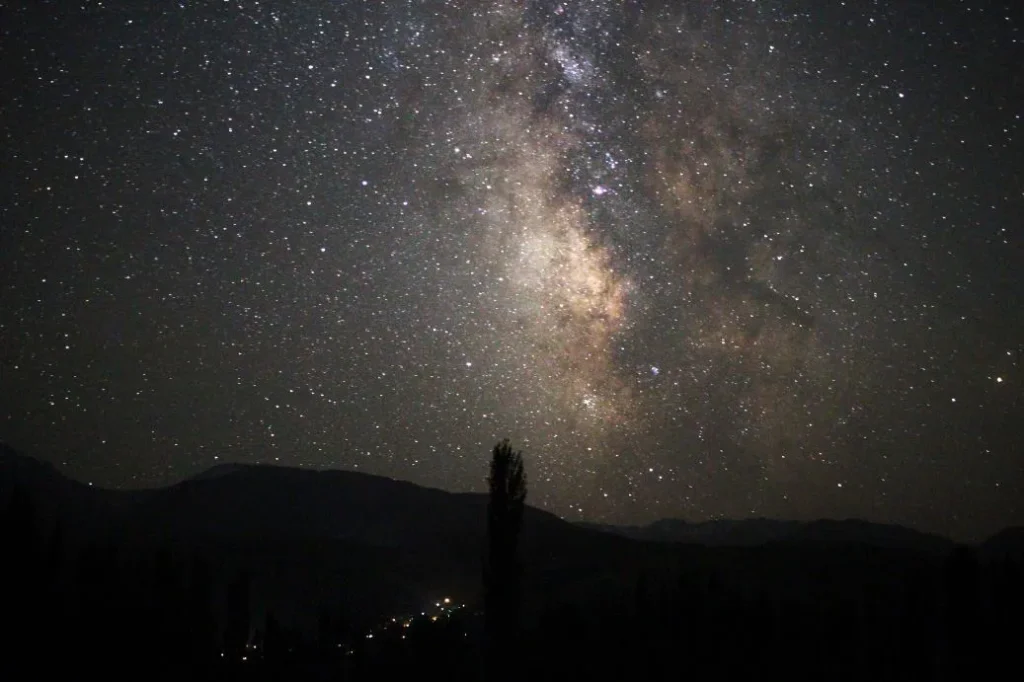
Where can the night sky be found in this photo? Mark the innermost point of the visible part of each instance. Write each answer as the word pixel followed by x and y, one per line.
pixel 697 259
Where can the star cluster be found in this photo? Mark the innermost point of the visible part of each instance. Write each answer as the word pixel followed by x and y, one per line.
pixel 698 259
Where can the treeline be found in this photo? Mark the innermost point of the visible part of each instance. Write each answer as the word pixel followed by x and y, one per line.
pixel 171 613
pixel 952 619
pixel 132 613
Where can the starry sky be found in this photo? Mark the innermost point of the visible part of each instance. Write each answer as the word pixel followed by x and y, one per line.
pixel 697 258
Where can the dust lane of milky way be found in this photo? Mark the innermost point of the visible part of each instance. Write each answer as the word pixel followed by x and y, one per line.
pixel 697 259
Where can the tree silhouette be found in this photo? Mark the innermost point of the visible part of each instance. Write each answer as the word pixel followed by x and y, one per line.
pixel 507 482
pixel 202 627
pixel 963 618
pixel 167 613
pixel 18 574
pixel 236 629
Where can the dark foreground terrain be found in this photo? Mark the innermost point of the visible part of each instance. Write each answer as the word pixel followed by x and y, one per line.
pixel 260 573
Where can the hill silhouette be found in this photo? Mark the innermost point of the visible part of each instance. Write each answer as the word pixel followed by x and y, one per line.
pixel 270 500
pixel 299 543
pixel 760 531
pixel 376 544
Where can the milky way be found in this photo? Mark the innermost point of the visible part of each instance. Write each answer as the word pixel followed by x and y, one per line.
pixel 697 259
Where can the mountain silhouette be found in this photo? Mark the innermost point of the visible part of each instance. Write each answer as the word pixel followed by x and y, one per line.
pixel 1008 542
pixel 760 531
pixel 374 545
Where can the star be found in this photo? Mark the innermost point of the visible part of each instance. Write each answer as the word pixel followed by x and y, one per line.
pixel 711 239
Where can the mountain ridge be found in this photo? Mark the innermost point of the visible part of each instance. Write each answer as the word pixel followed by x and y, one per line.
pixel 757 531
pixel 376 545
pixel 363 494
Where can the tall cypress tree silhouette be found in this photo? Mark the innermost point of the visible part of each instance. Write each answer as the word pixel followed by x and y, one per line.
pixel 507 482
